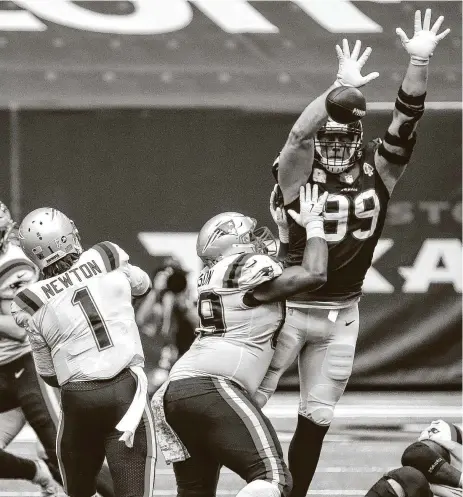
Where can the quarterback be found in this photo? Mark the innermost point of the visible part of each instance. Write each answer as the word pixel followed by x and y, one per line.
pixel 81 326
pixel 321 327
pixel 207 400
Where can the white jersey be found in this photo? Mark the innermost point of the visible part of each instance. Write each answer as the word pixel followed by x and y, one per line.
pixel 16 271
pixel 81 323
pixel 237 334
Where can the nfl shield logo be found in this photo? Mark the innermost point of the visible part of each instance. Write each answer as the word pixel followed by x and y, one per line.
pixel 367 169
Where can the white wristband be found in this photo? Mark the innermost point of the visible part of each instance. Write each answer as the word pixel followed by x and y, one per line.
pixel 419 61
pixel 315 228
pixel 283 235
pixel 339 83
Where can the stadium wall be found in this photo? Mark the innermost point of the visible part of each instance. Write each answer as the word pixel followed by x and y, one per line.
pixel 148 178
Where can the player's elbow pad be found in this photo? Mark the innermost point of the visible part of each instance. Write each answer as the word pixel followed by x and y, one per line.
pixel 421 457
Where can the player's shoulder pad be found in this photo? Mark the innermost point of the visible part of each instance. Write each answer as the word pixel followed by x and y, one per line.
pixel 111 255
pixel 28 300
pixel 256 269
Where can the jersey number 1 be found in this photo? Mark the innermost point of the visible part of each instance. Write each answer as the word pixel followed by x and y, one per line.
pixel 84 300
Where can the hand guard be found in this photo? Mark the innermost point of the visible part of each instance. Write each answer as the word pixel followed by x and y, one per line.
pixel 425 39
pixel 350 65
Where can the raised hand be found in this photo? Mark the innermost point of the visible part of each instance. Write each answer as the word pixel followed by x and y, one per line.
pixel 279 216
pixel 350 65
pixel 278 212
pixel 311 205
pixel 425 38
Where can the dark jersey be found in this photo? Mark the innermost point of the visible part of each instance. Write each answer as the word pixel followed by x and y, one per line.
pixel 354 220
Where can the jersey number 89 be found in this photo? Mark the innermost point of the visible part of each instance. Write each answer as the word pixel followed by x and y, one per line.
pixel 365 206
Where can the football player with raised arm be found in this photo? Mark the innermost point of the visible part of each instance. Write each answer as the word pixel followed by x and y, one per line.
pixel 207 400
pixel 81 325
pixel 322 327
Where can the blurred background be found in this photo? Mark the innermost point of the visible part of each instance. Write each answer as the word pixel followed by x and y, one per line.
pixel 142 119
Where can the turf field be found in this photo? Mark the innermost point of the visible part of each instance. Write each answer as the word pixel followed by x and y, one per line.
pixel 367 439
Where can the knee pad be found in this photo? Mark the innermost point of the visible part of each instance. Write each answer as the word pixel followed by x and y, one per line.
pixel 421 457
pixel 260 488
pixel 412 481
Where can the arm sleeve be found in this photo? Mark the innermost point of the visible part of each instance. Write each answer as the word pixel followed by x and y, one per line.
pixel 139 281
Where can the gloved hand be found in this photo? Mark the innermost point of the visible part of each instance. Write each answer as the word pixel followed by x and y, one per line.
pixel 425 39
pixel 350 65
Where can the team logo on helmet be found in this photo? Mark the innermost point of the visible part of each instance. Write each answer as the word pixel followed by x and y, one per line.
pixel 226 228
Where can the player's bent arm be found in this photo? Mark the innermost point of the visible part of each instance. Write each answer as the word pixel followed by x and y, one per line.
pixel 308 277
pixel 296 157
pixel 395 151
pixel 9 329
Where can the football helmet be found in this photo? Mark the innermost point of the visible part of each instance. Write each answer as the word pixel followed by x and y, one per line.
pixel 338 146
pixel 233 233
pixel 6 226
pixel 47 235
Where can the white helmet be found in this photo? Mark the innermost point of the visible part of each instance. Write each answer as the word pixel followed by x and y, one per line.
pixel 47 235
pixel 6 226
pixel 348 152
pixel 232 233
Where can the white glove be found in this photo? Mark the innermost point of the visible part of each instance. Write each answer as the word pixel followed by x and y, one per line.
pixel 311 205
pixel 279 217
pixel 350 65
pixel 424 40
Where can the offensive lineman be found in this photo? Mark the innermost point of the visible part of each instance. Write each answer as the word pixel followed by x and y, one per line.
pixel 322 327
pixel 206 405
pixel 81 326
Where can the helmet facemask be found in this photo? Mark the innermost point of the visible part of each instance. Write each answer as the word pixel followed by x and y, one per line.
pixel 264 241
pixel 338 146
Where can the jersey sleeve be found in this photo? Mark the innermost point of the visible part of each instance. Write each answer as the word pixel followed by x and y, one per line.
pixel 257 270
pixel 114 257
pixel 40 349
